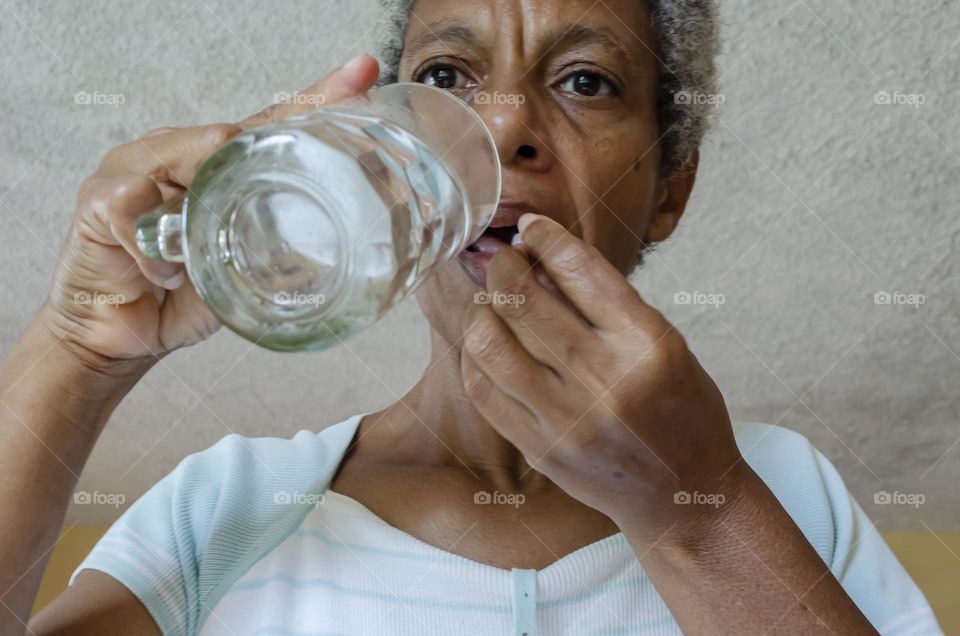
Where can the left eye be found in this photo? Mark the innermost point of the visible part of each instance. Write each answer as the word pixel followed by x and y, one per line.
pixel 445 77
pixel 588 85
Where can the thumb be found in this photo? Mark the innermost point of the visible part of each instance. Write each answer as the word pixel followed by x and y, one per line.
pixel 354 78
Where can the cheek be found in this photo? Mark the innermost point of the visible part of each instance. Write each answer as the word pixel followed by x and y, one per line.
pixel 624 227
pixel 625 180
pixel 634 201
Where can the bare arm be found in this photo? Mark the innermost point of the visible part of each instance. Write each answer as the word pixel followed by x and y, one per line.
pixel 746 568
pixel 94 605
pixel 80 357
pixel 55 404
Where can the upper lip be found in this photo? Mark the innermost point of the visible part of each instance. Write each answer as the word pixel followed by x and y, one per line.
pixel 509 212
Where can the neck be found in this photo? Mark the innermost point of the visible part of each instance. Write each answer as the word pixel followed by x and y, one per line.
pixel 436 424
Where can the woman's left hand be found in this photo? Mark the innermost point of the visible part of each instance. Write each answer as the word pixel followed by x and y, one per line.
pixel 596 388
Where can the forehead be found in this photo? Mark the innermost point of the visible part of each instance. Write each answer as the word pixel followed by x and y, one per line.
pixel 618 24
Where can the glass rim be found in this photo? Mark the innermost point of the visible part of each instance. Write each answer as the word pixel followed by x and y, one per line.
pixel 477 120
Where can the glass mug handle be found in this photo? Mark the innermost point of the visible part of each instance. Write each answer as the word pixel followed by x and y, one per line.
pixel 159 233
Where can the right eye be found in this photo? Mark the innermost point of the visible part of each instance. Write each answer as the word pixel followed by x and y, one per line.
pixel 443 76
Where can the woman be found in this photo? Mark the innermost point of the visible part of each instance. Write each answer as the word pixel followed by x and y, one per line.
pixel 564 465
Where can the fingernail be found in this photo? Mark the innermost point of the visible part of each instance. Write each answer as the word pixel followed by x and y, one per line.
pixel 354 63
pixel 173 282
pixel 516 241
pixel 526 220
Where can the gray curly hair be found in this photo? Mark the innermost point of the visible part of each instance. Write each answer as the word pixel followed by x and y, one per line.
pixel 687 42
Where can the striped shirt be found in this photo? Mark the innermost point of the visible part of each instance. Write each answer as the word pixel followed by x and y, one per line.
pixel 246 538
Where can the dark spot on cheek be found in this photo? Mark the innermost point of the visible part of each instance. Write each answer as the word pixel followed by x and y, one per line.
pixel 618 474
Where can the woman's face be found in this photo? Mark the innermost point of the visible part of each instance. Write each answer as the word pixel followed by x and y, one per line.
pixel 568 88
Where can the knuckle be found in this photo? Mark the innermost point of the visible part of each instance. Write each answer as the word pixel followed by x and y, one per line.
pixel 116 154
pixel 579 348
pixel 119 193
pixel 512 302
pixel 670 350
pixel 156 132
pixel 218 134
pixel 476 386
pixel 87 188
pixel 572 256
pixel 267 113
pixel 481 339
pixel 510 298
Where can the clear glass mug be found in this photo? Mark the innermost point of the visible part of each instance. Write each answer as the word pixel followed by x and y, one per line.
pixel 305 231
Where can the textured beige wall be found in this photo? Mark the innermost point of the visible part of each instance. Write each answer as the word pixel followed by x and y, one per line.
pixel 811 199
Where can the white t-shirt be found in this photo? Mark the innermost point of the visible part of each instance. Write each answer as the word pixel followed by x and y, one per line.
pixel 246 538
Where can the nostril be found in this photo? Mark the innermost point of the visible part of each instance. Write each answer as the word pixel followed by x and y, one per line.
pixel 527 152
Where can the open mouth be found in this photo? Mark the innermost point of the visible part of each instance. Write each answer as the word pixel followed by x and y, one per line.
pixel 494 239
pixel 498 236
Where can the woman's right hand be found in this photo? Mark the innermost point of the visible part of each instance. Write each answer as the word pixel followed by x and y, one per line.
pixel 110 301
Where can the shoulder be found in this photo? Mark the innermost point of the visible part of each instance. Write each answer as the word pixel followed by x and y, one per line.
pixel 180 545
pixel 237 483
pixel 254 464
pixel 235 490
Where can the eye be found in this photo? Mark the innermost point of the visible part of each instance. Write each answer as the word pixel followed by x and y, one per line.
pixel 588 85
pixel 442 76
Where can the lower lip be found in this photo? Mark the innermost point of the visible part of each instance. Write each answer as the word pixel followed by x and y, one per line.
pixel 475 263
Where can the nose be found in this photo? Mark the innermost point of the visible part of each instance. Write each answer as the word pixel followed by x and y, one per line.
pixel 512 119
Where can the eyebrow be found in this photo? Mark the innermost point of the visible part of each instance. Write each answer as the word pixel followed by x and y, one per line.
pixel 444 33
pixel 572 35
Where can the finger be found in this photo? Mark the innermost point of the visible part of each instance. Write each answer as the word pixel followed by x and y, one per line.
pixel 544 325
pixel 595 287
pixel 171 157
pixel 502 359
pixel 185 318
pixel 507 415
pixel 157 132
pixel 541 276
pixel 169 189
pixel 109 213
pixel 354 78
pixel 111 270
